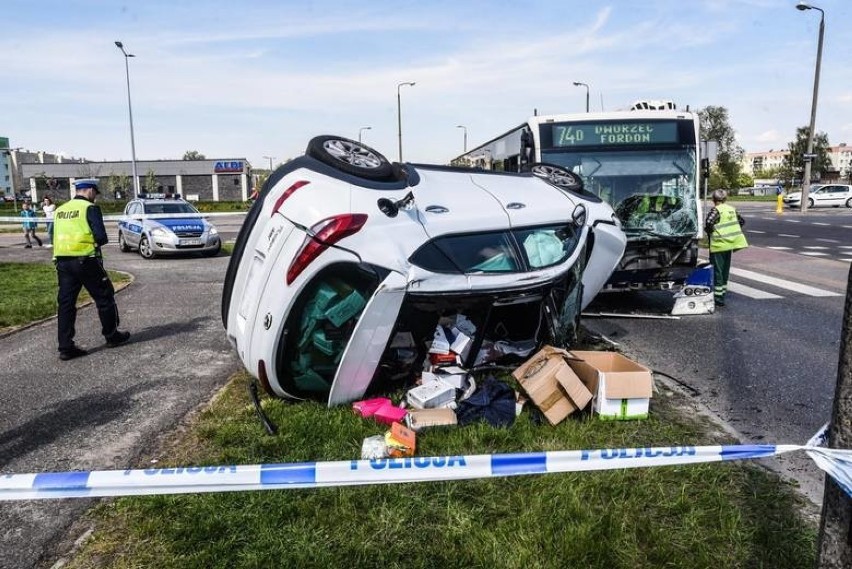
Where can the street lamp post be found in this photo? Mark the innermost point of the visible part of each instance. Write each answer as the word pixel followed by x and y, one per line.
pixel 270 158
pixel 806 179
pixel 577 84
pixel 465 135
pixel 127 56
pixel 399 114
pixel 362 129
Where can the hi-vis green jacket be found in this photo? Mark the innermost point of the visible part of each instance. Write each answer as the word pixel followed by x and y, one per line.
pixel 727 233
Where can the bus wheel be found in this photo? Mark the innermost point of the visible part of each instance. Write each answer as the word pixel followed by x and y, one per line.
pixel 558 176
pixel 350 157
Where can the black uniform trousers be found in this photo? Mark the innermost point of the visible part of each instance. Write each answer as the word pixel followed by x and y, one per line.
pixel 75 273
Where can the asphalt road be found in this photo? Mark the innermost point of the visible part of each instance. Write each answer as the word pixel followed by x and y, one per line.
pixel 101 411
pixel 766 363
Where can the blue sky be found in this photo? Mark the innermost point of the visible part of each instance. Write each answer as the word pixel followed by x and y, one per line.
pixel 260 78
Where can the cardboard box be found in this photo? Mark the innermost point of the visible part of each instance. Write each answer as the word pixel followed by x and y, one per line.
pixel 400 441
pixel 431 395
pixel 422 418
pixel 622 387
pixel 451 375
pixel 552 385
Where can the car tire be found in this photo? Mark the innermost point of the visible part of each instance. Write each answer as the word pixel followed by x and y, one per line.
pixel 350 157
pixel 122 243
pixel 810 203
pixel 849 203
pixel 558 176
pixel 145 248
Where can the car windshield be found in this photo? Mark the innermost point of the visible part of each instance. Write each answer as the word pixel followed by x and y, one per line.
pixel 169 208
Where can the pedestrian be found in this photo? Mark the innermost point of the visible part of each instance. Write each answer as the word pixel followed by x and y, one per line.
pixel 29 226
pixel 48 207
pixel 724 229
pixel 79 234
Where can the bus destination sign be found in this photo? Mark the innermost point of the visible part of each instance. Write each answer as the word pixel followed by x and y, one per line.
pixel 613 133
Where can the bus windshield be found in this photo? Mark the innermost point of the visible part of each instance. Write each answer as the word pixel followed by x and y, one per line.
pixel 653 192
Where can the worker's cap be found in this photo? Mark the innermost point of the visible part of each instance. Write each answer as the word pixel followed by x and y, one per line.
pixel 86 184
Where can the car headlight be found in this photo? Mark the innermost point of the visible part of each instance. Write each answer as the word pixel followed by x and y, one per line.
pixel 213 231
pixel 160 232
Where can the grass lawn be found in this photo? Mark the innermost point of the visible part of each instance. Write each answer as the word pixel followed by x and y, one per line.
pixel 715 515
pixel 29 292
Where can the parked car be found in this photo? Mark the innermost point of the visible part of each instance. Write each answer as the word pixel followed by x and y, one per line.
pixel 159 226
pixel 346 262
pixel 829 195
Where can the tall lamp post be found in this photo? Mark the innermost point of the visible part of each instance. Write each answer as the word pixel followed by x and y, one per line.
pixel 809 155
pixel 127 56
pixel 362 129
pixel 577 84
pixel 399 114
pixel 465 135
pixel 270 158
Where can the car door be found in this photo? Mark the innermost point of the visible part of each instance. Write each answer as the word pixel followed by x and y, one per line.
pixel 134 224
pixel 369 339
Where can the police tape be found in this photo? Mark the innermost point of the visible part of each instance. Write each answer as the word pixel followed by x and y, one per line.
pixel 204 479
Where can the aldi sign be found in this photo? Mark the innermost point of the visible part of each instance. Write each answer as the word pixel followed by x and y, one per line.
pixel 224 166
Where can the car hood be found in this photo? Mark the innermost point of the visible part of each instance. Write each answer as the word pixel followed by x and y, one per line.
pixel 183 224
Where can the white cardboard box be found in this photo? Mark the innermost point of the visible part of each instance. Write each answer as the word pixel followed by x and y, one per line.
pixel 431 395
pixel 622 387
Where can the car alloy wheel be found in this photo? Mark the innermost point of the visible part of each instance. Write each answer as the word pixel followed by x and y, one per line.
pixel 558 176
pixel 351 157
pixel 145 248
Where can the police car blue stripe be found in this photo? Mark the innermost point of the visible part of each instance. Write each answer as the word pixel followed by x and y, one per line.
pixel 61 481
pixel 288 473
pixel 740 452
pixel 527 463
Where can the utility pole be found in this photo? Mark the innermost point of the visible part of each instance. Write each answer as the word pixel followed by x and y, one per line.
pixel 835 528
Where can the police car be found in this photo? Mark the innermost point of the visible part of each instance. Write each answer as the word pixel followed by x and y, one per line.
pixel 346 262
pixel 155 225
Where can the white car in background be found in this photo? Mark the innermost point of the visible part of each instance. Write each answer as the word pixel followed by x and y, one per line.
pixel 829 195
pixel 346 262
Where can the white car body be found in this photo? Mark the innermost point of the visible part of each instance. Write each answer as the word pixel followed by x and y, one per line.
pixel 829 195
pixel 267 317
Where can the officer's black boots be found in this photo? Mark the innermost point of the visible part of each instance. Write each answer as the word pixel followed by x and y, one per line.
pixel 71 353
pixel 117 338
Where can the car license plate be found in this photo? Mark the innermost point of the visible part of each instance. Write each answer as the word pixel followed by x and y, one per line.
pixel 190 241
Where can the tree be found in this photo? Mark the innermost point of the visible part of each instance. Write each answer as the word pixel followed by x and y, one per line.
pixel 794 163
pixel 715 125
pixel 151 182
pixel 193 155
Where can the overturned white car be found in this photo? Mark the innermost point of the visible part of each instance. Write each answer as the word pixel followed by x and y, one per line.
pixel 343 254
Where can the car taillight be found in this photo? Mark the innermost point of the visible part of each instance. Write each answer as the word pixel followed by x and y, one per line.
pixel 325 233
pixel 287 193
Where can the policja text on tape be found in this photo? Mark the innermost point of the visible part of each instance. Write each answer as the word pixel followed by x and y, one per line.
pixel 202 479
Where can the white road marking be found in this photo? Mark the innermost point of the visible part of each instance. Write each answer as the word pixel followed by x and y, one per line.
pixel 751 292
pixel 815 247
pixel 780 248
pixel 794 220
pixel 819 223
pixel 847 226
pixel 828 240
pixel 754 231
pixel 782 283
pixel 813 254
pixel 846 260
pixel 787 235
pixel 845 246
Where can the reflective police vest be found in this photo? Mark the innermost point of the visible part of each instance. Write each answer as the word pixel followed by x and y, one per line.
pixel 72 236
pixel 727 234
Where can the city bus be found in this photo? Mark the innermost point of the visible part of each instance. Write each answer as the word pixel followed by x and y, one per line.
pixel 644 162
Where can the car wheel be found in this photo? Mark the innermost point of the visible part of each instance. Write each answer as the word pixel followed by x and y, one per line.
pixel 122 244
pixel 810 203
pixel 849 203
pixel 145 248
pixel 558 176
pixel 350 157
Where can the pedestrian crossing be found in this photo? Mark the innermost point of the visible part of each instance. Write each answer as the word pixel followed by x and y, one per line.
pixel 736 286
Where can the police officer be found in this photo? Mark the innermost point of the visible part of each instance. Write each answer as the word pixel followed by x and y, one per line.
pixel 78 234
pixel 724 228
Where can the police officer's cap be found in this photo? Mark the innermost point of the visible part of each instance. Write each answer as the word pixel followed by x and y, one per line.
pixel 86 184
